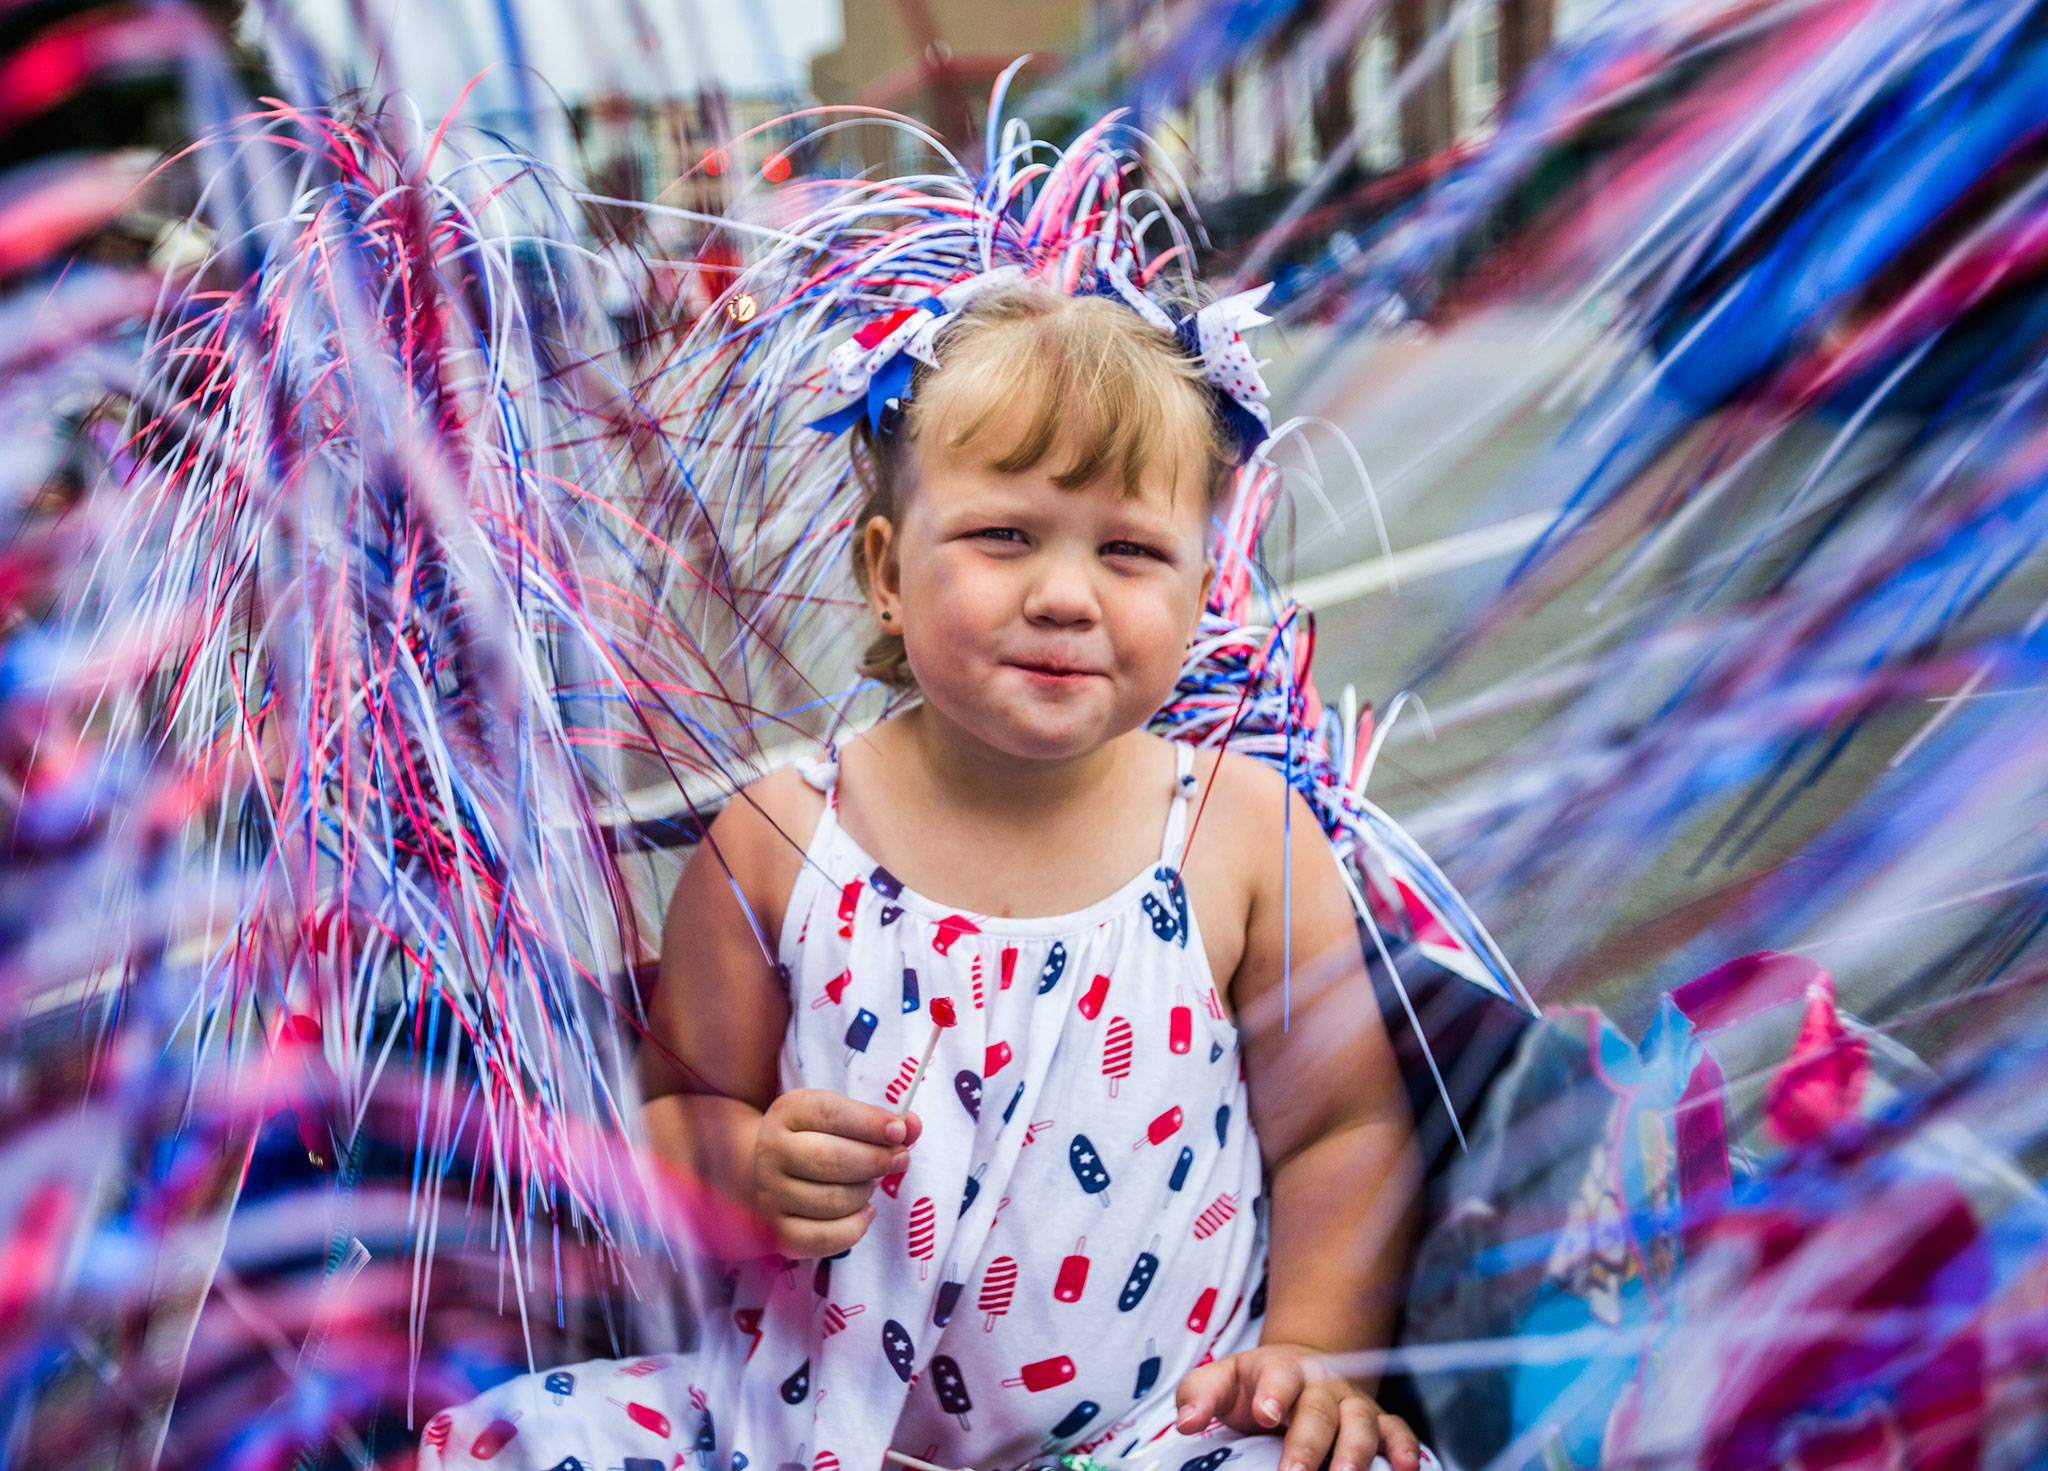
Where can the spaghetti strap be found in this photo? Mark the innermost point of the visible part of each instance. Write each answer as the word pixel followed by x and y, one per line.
pixel 822 772
pixel 1177 816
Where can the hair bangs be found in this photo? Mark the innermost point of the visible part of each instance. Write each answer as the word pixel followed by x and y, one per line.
pixel 1084 384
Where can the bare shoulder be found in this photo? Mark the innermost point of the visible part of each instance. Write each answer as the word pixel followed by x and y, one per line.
pixel 760 837
pixel 1245 803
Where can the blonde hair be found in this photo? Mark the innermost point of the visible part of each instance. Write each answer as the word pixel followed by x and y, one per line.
pixel 1097 377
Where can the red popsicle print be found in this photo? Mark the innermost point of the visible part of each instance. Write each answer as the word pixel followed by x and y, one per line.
pixel 1090 1004
pixel 834 989
pixel 1073 1277
pixel 435 1436
pixel 974 982
pixel 1212 1003
pixel 1180 1024
pixel 897 1084
pixel 836 1316
pixel 892 1183
pixel 849 903
pixel 826 1462
pixel 1198 1319
pixel 998 1286
pixel 641 1368
pixel 1213 1215
pixel 923 1228
pixel 1044 1374
pixel 951 928
pixel 1160 1129
pixel 495 1437
pixel 993 1060
pixel 698 1399
pixel 748 1321
pixel 646 1417
pixel 1116 1053
pixel 1009 967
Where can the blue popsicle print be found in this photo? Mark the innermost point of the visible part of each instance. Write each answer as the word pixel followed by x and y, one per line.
pixel 1075 1419
pixel 1208 1462
pixel 1148 1370
pixel 1222 1125
pixel 1143 1270
pixel 910 1001
pixel 561 1384
pixel 897 1349
pixel 797 1387
pixel 860 1031
pixel 1015 1099
pixel 1180 1168
pixel 1055 966
pixel 1088 1167
pixel 967 1088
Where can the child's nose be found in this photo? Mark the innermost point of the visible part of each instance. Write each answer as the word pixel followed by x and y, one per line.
pixel 1061 593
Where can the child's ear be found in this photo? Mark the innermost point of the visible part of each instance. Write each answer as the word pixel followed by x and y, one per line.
pixel 1202 598
pixel 878 551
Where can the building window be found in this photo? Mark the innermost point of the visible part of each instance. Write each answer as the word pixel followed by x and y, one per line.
pixel 1373 111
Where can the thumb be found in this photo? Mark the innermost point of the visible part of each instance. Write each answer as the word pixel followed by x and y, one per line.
pixel 915 1126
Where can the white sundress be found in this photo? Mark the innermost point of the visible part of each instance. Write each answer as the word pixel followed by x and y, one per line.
pixel 1082 1221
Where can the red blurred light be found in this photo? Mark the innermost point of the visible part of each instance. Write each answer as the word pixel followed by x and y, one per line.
pixel 776 169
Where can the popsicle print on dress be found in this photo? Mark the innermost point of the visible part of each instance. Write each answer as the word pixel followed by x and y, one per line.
pixel 967 1088
pixel 1088 1168
pixel 494 1437
pixel 835 989
pixel 1148 1370
pixel 1072 1280
pixel 797 1387
pixel 561 1384
pixel 646 1417
pixel 859 1032
pixel 1055 966
pixel 1143 1270
pixel 886 884
pixel 1180 1024
pixel 1162 1128
pixel 1181 1166
pixel 951 1389
pixel 950 929
pixel 836 1318
pixel 1043 1374
pixel 1090 1004
pixel 1116 1053
pixel 910 996
pixel 1169 918
pixel 921 1232
pixel 1008 968
pixel 1208 1460
pixel 898 1349
pixel 1214 1215
pixel 998 1286
pixel 1076 1420
pixel 849 906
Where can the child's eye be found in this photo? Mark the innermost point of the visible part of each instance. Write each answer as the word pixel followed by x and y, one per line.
pixel 1131 549
pixel 1000 533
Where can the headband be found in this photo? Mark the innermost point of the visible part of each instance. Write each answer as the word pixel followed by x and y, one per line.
pixel 875 365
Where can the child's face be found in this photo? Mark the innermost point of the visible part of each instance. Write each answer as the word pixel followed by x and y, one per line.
pixel 1041 620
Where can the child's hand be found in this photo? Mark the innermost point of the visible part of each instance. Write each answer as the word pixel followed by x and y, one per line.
pixel 1281 1384
pixel 816 1160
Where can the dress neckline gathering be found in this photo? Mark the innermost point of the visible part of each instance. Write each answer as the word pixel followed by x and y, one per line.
pixel 822 773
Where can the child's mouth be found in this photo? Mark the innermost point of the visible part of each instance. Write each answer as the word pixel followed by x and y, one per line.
pixel 1056 674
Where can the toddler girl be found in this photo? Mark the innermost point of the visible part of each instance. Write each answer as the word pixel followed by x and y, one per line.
pixel 1127 1212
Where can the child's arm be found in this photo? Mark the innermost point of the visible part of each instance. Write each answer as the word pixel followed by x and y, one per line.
pixel 1334 1125
pixel 805 1161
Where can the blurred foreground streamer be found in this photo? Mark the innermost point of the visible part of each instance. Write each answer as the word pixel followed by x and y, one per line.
pixel 348 624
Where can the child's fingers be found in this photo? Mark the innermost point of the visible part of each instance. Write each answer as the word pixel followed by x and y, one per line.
pixel 821 1111
pixel 818 1202
pixel 1276 1389
pixel 1313 1428
pixel 1202 1395
pixel 801 1238
pixel 830 1160
pixel 1399 1444
pixel 1358 1437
